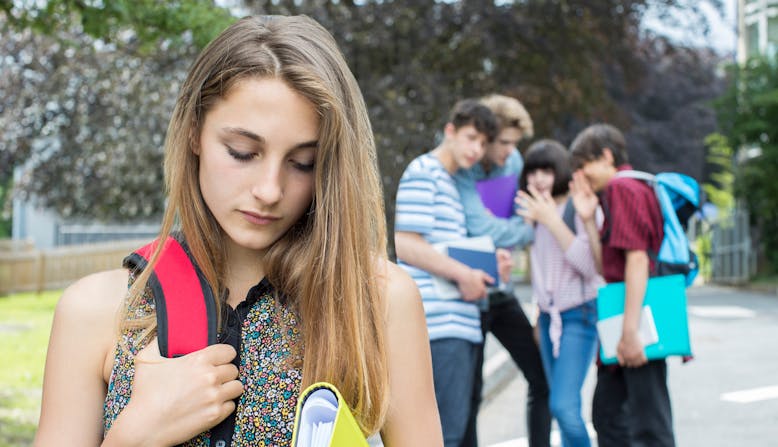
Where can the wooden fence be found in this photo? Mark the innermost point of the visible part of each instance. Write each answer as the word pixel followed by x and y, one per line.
pixel 26 269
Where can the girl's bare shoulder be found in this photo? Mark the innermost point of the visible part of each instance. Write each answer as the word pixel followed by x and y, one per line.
pixel 95 296
pixel 83 335
pixel 402 294
pixel 88 310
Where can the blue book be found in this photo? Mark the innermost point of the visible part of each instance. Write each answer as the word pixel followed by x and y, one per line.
pixel 475 252
pixel 666 298
pixel 477 259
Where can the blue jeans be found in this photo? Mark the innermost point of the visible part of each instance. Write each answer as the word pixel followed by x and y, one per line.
pixel 453 371
pixel 567 372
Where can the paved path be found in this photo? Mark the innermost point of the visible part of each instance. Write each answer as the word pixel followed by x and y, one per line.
pixel 728 395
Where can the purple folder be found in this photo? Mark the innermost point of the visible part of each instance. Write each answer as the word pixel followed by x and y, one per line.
pixel 498 193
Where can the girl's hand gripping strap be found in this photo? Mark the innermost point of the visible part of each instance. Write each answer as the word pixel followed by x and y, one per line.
pixel 185 306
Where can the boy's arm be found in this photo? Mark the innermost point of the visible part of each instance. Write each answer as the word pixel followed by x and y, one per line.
pixel 506 233
pixel 630 349
pixel 413 249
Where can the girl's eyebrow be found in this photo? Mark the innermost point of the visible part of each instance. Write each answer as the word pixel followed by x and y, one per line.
pixel 259 139
pixel 244 133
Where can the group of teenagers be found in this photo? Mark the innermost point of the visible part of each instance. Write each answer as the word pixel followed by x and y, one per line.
pixel 274 192
pixel 584 226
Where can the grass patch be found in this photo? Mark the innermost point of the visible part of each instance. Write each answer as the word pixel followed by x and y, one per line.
pixel 25 324
pixel 765 282
pixel 769 280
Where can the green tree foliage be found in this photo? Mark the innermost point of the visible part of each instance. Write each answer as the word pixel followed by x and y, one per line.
pixel 5 215
pixel 86 123
pixel 146 21
pixel 88 88
pixel 719 190
pixel 85 110
pixel 668 112
pixel 748 113
pixel 570 62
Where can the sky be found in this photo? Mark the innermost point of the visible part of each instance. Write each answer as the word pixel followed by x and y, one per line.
pixel 722 37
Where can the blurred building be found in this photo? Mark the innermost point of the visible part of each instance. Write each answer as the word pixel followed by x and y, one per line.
pixel 44 228
pixel 757 28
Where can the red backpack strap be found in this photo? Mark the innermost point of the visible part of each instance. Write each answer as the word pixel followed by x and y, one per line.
pixel 185 306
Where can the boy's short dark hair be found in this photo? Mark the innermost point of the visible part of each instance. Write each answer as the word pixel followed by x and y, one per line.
pixel 590 142
pixel 471 112
pixel 548 154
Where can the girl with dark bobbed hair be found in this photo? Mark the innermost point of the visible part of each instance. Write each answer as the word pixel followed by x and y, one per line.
pixel 565 280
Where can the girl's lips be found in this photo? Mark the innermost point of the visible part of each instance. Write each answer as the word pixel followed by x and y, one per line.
pixel 258 219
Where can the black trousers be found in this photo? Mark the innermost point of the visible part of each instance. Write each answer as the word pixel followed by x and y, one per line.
pixel 631 406
pixel 507 321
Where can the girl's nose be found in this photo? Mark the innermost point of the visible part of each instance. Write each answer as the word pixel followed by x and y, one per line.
pixel 267 185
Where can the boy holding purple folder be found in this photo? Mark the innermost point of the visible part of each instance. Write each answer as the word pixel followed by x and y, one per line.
pixel 502 164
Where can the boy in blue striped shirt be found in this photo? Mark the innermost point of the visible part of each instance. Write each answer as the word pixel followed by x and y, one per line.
pixel 429 210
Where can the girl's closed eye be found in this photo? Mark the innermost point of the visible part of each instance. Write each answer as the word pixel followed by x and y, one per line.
pixel 240 155
pixel 303 166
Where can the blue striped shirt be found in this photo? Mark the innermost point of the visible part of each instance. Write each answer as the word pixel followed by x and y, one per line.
pixel 429 204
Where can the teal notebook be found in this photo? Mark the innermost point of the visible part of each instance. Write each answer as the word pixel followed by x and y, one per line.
pixel 666 297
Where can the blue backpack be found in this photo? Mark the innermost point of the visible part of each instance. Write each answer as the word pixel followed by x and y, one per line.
pixel 679 198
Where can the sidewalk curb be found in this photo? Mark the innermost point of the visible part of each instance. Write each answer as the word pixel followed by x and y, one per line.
pixel 768 289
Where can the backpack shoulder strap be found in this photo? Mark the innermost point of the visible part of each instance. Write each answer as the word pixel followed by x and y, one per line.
pixel 185 306
pixel 638 175
pixel 568 214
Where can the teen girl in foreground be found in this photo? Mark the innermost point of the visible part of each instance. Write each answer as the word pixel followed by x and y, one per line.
pixel 564 282
pixel 271 170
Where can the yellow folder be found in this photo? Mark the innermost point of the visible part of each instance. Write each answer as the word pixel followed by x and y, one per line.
pixel 323 419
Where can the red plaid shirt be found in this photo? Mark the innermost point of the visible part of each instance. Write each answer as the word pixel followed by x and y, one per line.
pixel 633 221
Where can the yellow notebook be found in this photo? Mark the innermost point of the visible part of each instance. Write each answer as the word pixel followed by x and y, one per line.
pixel 323 419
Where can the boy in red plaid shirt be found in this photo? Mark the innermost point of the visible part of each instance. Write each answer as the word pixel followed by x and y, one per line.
pixel 631 405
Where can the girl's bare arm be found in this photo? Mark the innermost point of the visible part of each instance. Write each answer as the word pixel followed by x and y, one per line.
pixel 80 347
pixel 413 414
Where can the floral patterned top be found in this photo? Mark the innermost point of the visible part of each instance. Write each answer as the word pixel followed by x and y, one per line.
pixel 265 335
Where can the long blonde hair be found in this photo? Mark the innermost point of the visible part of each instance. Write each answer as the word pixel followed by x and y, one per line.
pixel 325 265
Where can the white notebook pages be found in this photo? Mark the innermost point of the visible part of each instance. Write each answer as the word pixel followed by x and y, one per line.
pixel 317 419
pixel 609 330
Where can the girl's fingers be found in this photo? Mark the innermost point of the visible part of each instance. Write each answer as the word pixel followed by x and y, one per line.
pixel 226 372
pixel 232 389
pixel 217 354
pixel 525 201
